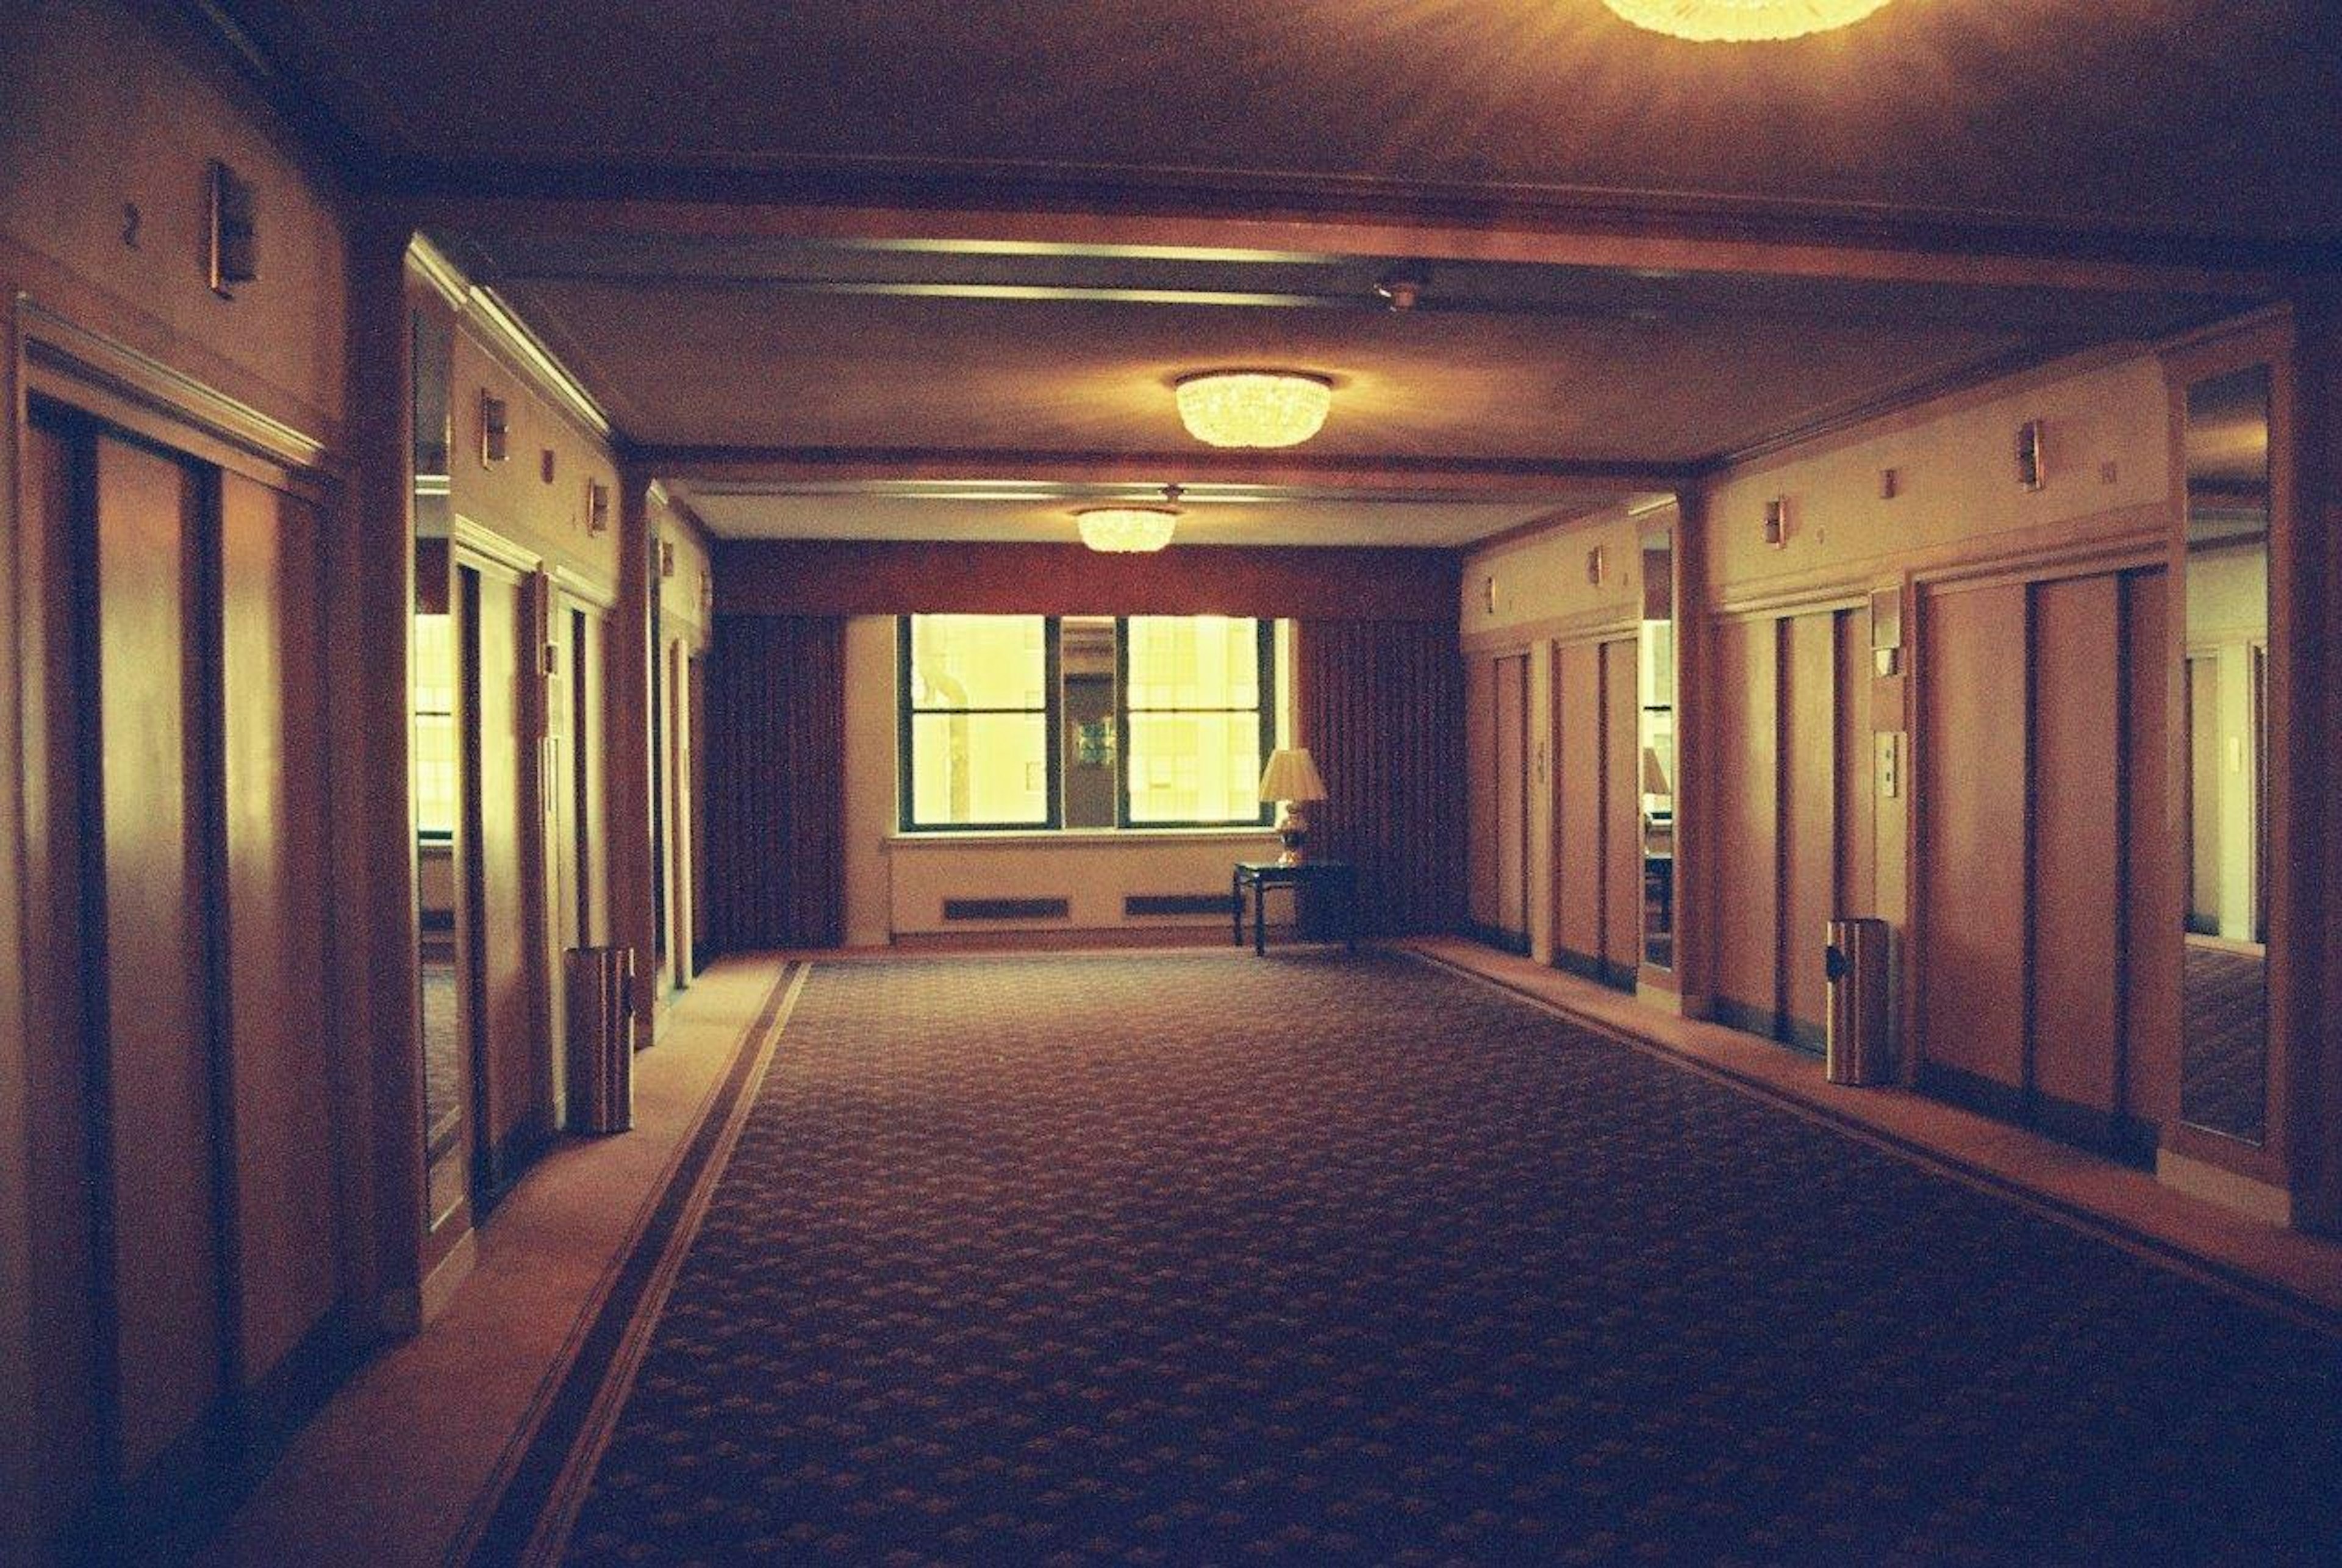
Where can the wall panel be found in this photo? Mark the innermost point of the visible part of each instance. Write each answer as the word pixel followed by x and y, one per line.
pixel 1579 733
pixel 1510 818
pixel 1810 690
pixel 1480 792
pixel 1746 804
pixel 273 722
pixel 2151 877
pixel 2076 783
pixel 1622 810
pixel 159 1071
pixel 1969 970
pixel 1857 793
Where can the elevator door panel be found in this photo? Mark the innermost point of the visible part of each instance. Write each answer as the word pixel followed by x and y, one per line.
pixel 159 1111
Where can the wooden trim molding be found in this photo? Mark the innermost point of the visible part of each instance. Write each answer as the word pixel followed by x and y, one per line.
pixel 2093 542
pixel 71 362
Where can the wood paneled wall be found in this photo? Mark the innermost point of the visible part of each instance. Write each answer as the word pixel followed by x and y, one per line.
pixel 1497 734
pixel 189 1285
pixel 1598 849
pixel 1794 835
pixel 2040 943
pixel 1379 704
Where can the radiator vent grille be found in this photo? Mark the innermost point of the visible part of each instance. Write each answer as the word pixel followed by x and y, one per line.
pixel 1219 904
pixel 1007 909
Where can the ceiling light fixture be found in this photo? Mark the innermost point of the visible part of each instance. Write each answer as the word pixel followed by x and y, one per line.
pixel 1129 530
pixel 1253 407
pixel 1741 21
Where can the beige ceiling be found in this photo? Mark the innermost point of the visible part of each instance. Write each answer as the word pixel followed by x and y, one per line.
pixel 735 514
pixel 2056 132
pixel 2183 116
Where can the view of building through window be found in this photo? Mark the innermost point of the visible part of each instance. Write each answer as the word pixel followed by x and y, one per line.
pixel 1034 721
pixel 434 726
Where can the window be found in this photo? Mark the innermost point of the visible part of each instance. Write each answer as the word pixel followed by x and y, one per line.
pixel 1035 722
pixel 977 695
pixel 435 727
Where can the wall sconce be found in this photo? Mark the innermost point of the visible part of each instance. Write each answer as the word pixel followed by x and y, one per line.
pixel 667 558
pixel 1889 483
pixel 598 506
pixel 1489 593
pixel 495 429
pixel 544 464
pixel 1594 565
pixel 2030 471
pixel 1776 522
pixel 1887 630
pixel 233 237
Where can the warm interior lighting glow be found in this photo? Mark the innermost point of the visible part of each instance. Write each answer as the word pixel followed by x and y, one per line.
pixel 1253 407
pixel 1741 21
pixel 1126 530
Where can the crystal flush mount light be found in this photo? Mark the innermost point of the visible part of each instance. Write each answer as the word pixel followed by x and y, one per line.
pixel 1741 21
pixel 1129 530
pixel 1253 407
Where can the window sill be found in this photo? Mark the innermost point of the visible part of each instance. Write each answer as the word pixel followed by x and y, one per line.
pixel 1078 838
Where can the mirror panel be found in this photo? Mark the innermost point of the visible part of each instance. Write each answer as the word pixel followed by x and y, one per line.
pixel 2224 792
pixel 432 702
pixel 1656 665
pixel 1086 672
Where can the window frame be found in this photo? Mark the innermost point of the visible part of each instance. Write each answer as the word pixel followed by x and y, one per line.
pixel 1053 711
pixel 1052 708
pixel 1265 653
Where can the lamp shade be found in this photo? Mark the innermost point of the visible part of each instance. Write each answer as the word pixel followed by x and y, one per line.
pixel 1291 775
pixel 1126 530
pixel 1253 407
pixel 1741 21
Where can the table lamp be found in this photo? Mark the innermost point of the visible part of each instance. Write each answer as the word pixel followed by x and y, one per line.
pixel 1291 777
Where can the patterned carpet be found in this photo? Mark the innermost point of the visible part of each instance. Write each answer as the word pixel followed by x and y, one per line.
pixel 1212 1259
pixel 2224 1077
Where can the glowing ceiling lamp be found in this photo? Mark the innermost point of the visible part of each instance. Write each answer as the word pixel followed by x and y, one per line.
pixel 1741 21
pixel 1253 407
pixel 1129 530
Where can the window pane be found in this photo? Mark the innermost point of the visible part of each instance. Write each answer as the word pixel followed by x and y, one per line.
pixel 980 768
pixel 434 664
pixel 435 775
pixel 1195 767
pixel 979 661
pixel 1195 662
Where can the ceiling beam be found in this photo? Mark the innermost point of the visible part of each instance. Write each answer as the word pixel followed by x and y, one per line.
pixel 880 470
pixel 1653 241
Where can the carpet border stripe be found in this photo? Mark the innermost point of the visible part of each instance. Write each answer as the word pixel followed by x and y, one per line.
pixel 2265 1295
pixel 509 1519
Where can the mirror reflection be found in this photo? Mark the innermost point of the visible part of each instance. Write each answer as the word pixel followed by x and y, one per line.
pixel 1655 663
pixel 2224 1060
pixel 1086 654
pixel 431 690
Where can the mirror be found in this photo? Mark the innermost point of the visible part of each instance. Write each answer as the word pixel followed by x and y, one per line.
pixel 432 689
pixel 2224 794
pixel 1655 664
pixel 1085 666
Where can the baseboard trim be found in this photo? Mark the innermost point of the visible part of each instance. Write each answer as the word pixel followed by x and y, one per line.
pixel 2215 1184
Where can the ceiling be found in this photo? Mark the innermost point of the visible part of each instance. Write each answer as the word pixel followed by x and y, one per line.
pixel 2164 115
pixel 788 382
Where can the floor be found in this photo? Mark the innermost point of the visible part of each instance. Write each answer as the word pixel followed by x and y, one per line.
pixel 402 1466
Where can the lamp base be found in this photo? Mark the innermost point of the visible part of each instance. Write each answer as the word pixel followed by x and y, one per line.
pixel 1294 829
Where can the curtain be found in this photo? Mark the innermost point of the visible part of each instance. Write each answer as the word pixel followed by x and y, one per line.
pixel 775 786
pixel 1381 709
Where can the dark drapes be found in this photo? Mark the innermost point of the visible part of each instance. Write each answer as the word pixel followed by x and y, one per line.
pixel 776 782
pixel 1381 709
